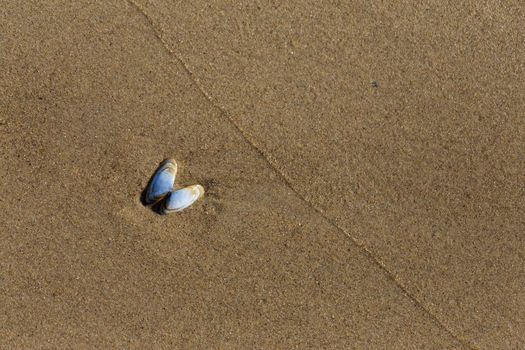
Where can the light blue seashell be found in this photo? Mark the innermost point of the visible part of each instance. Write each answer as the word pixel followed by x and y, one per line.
pixel 181 199
pixel 162 182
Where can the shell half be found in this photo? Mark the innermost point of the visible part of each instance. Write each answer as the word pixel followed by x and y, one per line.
pixel 162 182
pixel 181 199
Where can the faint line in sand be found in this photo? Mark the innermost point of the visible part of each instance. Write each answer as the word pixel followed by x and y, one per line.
pixel 271 163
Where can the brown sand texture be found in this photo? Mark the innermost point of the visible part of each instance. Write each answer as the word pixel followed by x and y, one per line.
pixel 364 166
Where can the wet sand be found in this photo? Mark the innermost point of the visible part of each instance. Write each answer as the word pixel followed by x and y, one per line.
pixel 364 167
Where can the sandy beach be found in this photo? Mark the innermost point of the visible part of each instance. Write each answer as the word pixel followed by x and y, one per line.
pixel 364 168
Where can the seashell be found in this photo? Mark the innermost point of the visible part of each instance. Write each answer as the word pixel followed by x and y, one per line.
pixel 162 182
pixel 181 199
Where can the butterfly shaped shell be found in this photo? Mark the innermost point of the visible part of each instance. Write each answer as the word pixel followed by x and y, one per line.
pixel 181 199
pixel 162 182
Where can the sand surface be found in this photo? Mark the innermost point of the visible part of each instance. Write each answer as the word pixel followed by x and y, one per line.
pixel 364 165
